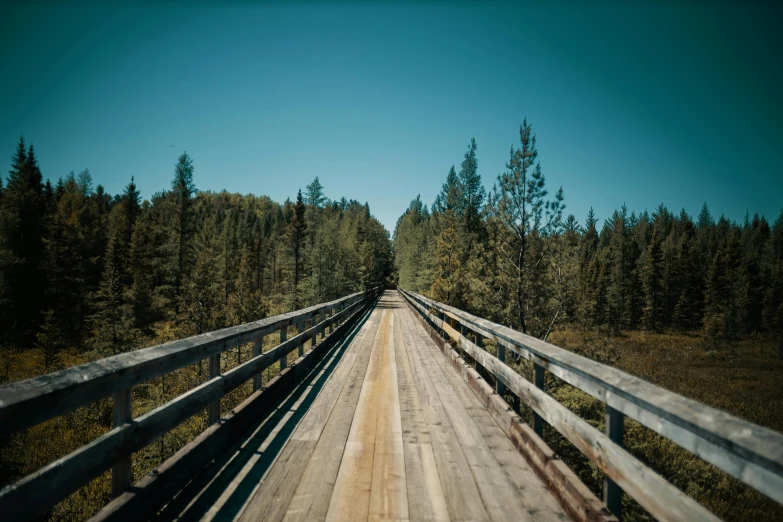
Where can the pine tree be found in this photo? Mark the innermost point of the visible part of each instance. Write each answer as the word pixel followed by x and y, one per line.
pixel 520 217
pixel 112 322
pixel 296 232
pixel 447 286
pixel 315 194
pixel 183 190
pixel 449 200
pixel 472 190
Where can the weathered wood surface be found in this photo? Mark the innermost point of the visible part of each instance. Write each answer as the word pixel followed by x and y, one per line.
pixel 388 437
pixel 392 434
pixel 36 493
pixel 749 452
pixel 30 402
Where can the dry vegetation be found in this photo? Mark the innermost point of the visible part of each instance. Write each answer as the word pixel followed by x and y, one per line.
pixel 743 379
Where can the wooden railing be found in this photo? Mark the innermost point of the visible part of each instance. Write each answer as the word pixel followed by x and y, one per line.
pixel 749 452
pixel 27 403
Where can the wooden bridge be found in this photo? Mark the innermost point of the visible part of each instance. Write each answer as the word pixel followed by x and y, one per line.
pixel 380 419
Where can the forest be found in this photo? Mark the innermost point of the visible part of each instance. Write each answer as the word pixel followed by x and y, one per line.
pixel 512 255
pixel 84 270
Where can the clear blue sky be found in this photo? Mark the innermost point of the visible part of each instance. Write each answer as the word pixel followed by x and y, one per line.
pixel 669 103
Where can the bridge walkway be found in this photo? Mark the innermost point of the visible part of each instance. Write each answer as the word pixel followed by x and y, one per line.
pixel 382 428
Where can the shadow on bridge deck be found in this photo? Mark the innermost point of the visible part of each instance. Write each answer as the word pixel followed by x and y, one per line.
pixel 223 489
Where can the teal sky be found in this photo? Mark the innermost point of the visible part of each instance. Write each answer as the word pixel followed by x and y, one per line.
pixel 671 102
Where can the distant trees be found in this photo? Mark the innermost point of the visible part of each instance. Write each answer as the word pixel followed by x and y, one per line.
pixel 512 257
pixel 80 269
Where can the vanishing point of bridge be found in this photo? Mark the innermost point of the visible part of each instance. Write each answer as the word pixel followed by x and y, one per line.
pixel 381 419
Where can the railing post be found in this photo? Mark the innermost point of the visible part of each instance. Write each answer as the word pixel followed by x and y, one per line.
pixel 538 380
pixel 463 331
pixel 214 371
pixel 499 386
pixel 258 347
pixel 613 495
pixel 122 472
pixel 300 329
pixel 283 338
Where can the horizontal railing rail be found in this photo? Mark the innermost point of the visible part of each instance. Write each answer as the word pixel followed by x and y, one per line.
pixel 749 452
pixel 28 403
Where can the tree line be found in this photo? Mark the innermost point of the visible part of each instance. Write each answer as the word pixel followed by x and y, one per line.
pixel 82 269
pixel 512 255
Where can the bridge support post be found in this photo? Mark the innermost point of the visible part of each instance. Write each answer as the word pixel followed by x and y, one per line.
pixel 320 318
pixel 538 380
pixel 122 472
pixel 300 329
pixel 613 495
pixel 499 386
pixel 258 347
pixel 283 338
pixel 214 371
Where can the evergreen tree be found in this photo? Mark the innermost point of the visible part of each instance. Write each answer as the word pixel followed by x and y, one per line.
pixel 183 190
pixel 449 200
pixel 472 190
pixel 315 194
pixel 297 229
pixel 520 217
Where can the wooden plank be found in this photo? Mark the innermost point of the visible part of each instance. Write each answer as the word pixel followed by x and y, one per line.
pixel 351 494
pixel 745 450
pixel 463 499
pixel 314 492
pixel 499 495
pixel 426 500
pixel 389 493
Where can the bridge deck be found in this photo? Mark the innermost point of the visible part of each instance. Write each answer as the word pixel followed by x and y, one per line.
pixel 382 429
